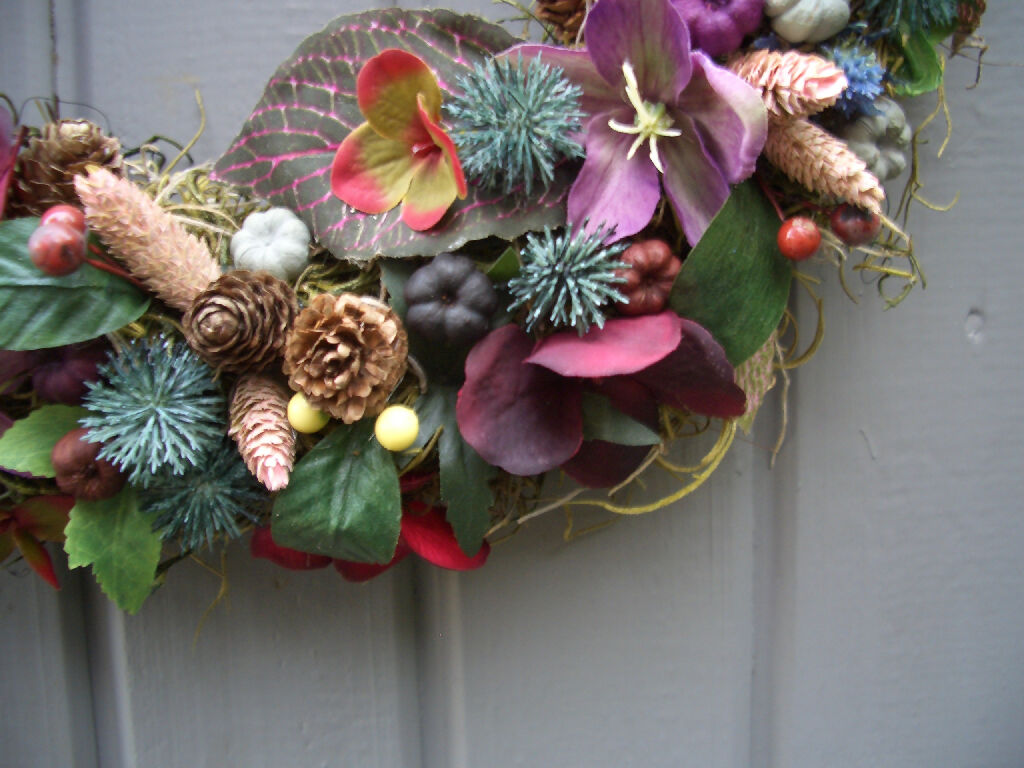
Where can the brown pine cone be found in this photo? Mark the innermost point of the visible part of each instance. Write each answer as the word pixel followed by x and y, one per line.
pixel 346 354
pixel 45 171
pixel 566 16
pixel 241 321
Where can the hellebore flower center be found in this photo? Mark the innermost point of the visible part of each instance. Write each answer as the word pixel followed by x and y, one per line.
pixel 650 122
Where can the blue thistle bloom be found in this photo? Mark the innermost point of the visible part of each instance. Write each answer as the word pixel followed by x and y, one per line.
pixel 206 501
pixel 156 407
pixel 513 123
pixel 916 14
pixel 566 278
pixel 864 74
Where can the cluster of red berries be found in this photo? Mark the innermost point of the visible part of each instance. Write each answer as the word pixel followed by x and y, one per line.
pixel 58 246
pixel 799 236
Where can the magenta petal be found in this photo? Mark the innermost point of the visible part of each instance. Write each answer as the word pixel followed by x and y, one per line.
pixel 694 184
pixel 520 417
pixel 730 116
pixel 625 345
pixel 599 195
pixel 600 464
pixel 431 537
pixel 651 36
pixel 696 376
pixel 598 95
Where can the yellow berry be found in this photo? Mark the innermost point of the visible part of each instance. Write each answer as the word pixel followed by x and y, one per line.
pixel 397 427
pixel 304 417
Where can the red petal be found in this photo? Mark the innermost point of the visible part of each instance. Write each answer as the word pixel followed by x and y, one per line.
pixel 263 545
pixel 520 417
pixel 432 538
pixel 353 571
pixel 36 556
pixel 444 141
pixel 625 345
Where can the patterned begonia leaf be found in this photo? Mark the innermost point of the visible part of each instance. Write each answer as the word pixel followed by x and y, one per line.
pixel 285 149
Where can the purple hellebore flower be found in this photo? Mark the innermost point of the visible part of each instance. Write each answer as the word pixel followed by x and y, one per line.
pixel 718 27
pixel 643 84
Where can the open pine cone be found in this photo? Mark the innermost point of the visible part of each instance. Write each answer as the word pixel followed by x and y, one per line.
pixel 565 17
pixel 241 321
pixel 346 354
pixel 46 169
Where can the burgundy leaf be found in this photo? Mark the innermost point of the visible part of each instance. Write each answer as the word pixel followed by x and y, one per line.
pixel 285 149
pixel 600 464
pixel 431 537
pixel 517 416
pixel 625 345
pixel 696 376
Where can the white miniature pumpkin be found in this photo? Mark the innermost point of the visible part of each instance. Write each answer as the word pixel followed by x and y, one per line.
pixel 807 21
pixel 276 241
pixel 881 139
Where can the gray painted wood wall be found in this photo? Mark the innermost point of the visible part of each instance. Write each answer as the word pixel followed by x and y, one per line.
pixel 861 604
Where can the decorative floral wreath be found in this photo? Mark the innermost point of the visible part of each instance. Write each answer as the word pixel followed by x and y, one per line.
pixel 436 264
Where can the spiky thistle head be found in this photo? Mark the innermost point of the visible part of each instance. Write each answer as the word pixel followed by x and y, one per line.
pixel 923 15
pixel 155 407
pixel 566 278
pixel 513 122
pixel 206 501
pixel 864 76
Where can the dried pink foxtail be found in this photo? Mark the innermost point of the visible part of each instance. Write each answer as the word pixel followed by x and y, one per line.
pixel 259 424
pixel 154 247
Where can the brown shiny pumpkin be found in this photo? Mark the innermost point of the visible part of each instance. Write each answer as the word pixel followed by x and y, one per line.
pixel 652 270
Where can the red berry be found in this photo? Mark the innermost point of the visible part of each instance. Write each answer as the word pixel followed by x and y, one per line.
pixel 854 226
pixel 799 238
pixel 57 249
pixel 67 215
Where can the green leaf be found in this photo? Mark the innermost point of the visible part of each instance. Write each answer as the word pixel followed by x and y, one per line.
pixel 735 282
pixel 603 421
pixel 921 70
pixel 118 541
pixel 27 444
pixel 505 267
pixel 465 477
pixel 38 311
pixel 343 499
pixel 285 150
pixel 395 274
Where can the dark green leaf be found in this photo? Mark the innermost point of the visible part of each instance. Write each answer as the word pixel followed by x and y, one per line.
pixel 118 541
pixel 285 149
pixel 395 274
pixel 342 499
pixel 602 421
pixel 38 311
pixel 465 486
pixel 27 444
pixel 921 71
pixel 735 282
pixel 505 267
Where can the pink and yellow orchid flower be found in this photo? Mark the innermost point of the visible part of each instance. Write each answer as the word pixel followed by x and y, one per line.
pixel 401 154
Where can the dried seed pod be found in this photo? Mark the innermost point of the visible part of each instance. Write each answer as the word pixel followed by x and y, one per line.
pixel 80 472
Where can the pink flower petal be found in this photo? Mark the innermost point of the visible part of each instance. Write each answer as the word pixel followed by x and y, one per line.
pixel 520 417
pixel 371 173
pixel 730 116
pixel 610 189
pixel 694 184
pixel 389 88
pixel 625 345
pixel 651 36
